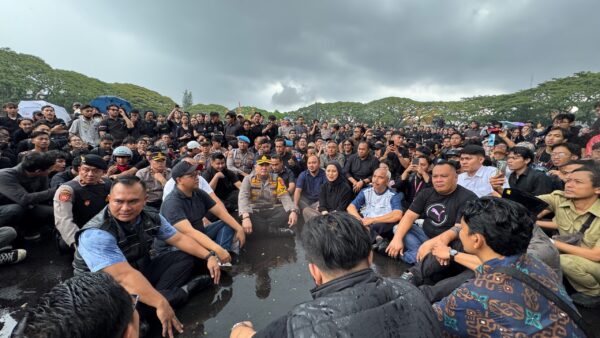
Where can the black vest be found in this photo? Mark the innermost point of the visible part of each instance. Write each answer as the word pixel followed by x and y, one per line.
pixel 88 200
pixel 135 241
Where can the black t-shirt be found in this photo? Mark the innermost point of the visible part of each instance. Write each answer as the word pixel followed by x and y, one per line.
pixel 177 207
pixel 440 212
pixel 225 185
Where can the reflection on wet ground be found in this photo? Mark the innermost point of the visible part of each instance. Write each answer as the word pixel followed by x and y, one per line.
pixel 271 277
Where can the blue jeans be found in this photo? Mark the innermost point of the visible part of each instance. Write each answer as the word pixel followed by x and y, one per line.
pixel 221 233
pixel 412 241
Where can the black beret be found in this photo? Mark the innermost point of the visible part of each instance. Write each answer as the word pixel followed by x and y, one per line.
pixel 94 161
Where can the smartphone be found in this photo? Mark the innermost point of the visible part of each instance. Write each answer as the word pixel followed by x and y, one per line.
pixel 390 142
pixel 501 167
pixel 415 161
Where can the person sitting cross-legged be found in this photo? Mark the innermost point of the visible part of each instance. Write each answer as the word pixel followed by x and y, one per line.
pixel 378 207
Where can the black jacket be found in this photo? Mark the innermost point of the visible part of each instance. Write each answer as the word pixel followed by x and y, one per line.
pixel 360 304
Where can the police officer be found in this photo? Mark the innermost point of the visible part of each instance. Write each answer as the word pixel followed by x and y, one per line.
pixel 80 199
pixel 241 159
pixel 258 201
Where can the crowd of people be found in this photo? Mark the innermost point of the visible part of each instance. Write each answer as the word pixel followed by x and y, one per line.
pixel 500 224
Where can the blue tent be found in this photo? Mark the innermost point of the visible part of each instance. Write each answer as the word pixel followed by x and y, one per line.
pixel 101 102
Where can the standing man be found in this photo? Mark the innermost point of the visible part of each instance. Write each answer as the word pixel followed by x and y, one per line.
pixel 58 127
pixel 308 188
pixel 232 126
pixel 86 127
pixel 359 167
pixel 11 120
pixel 80 199
pixel 117 126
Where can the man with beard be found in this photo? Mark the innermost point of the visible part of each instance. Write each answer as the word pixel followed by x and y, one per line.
pixel 359 167
pixel 86 127
pixel 117 126
pixel 308 188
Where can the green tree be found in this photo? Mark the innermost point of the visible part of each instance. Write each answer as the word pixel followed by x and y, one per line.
pixel 187 100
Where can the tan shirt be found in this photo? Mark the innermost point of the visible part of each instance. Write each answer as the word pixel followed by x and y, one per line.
pixel 155 189
pixel 570 221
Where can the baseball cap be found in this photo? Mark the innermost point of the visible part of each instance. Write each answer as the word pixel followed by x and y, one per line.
pixel 193 145
pixel 182 168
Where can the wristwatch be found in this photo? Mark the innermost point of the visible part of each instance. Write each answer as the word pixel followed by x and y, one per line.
pixel 210 253
pixel 294 210
pixel 453 253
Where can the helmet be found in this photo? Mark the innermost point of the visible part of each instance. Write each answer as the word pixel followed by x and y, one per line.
pixel 122 151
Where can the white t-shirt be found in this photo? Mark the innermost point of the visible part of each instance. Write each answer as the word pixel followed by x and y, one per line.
pixel 202 184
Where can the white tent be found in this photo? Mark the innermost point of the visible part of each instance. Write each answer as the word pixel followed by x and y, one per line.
pixel 26 109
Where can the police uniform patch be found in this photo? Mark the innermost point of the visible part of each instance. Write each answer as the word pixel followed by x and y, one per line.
pixel 64 196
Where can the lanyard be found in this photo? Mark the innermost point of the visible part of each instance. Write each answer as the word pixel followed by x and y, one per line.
pixel 417 188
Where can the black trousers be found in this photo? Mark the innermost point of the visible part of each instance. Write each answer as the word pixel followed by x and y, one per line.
pixel 437 281
pixel 26 220
pixel 169 272
pixel 231 201
pixel 271 218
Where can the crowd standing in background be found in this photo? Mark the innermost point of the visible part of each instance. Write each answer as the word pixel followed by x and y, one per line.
pixel 159 205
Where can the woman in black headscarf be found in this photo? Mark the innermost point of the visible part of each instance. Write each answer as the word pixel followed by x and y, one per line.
pixel 336 194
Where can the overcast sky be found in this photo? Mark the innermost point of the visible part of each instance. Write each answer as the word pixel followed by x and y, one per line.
pixel 279 54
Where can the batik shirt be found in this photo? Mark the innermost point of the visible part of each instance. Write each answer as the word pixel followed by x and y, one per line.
pixel 496 305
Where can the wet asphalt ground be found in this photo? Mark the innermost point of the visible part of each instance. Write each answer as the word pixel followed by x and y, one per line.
pixel 270 278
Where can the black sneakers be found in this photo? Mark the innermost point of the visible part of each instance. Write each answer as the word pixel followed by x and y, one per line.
pixel 12 256
pixel 198 283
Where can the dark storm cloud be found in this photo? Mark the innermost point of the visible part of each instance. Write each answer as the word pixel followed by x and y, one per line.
pixel 283 54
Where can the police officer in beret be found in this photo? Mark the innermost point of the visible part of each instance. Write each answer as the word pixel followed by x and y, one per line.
pixel 80 199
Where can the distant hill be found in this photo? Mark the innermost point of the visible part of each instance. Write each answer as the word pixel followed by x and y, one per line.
pixel 581 90
pixel 25 76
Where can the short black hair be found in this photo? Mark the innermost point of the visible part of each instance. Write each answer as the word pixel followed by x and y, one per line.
pixel 335 242
pixel 128 180
pixel 35 161
pixel 107 137
pixel 573 148
pixel 524 152
pixel 507 226
pixel 129 140
pixel 565 116
pixel 38 133
pixel 217 156
pixel 566 134
pixel 594 173
pixel 87 305
pixel 473 149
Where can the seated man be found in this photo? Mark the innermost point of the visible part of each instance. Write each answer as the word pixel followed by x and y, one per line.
pixel 475 176
pixel 8 255
pixel 186 207
pixel 359 167
pixel 259 200
pixel 577 214
pixel 241 160
pixel 498 231
pixel 25 195
pixel 119 240
pixel 378 207
pixel 83 306
pixel 522 176
pixel 155 176
pixel 350 299
pixel 80 199
pixel 308 188
pixel 278 167
pixel 439 206
pixel 223 181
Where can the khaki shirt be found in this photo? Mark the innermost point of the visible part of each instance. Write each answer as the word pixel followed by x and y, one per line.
pixel 266 199
pixel 570 221
pixel 154 188
pixel 239 162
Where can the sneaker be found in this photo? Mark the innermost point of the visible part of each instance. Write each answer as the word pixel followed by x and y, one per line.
pixel 12 256
pixel 583 300
pixel 383 244
pixel 408 276
pixel 34 236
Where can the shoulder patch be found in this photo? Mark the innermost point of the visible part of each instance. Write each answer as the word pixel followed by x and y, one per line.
pixel 64 195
